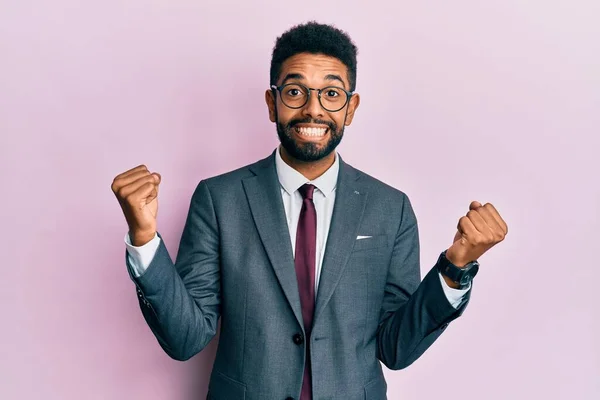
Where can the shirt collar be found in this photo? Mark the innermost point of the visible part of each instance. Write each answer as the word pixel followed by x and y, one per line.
pixel 291 180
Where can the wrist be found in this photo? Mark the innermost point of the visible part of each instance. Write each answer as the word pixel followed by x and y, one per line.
pixel 139 239
pixel 456 274
pixel 456 260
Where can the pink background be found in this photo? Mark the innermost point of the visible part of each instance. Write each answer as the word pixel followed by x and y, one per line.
pixel 496 101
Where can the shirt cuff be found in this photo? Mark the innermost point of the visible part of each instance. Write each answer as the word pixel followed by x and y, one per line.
pixel 454 296
pixel 140 257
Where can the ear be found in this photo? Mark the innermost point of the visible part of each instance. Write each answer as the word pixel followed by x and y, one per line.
pixel 270 100
pixel 352 106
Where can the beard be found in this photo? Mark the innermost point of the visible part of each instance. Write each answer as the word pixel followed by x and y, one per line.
pixel 308 152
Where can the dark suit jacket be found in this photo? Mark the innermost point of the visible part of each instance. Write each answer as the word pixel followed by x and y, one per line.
pixel 235 262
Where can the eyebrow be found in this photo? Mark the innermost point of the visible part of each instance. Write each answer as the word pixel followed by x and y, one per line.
pixel 329 77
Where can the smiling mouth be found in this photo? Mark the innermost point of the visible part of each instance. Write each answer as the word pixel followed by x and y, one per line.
pixel 311 132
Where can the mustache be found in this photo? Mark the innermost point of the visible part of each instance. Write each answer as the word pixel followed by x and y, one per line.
pixel 332 126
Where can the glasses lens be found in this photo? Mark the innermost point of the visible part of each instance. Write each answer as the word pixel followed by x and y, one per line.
pixel 333 98
pixel 294 95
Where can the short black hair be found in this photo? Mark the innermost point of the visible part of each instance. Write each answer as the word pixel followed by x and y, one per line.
pixel 315 38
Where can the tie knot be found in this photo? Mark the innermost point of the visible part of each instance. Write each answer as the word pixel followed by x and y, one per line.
pixel 306 191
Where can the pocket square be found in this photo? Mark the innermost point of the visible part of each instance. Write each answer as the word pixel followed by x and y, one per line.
pixel 363 237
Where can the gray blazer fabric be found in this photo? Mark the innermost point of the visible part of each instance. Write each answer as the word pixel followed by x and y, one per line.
pixel 235 262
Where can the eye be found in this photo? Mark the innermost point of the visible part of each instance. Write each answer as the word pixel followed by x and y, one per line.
pixel 294 91
pixel 332 93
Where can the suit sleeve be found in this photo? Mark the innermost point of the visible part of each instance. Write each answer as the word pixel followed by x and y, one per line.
pixel 414 314
pixel 181 301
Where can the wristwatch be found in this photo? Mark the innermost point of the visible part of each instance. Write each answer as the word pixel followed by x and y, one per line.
pixel 460 275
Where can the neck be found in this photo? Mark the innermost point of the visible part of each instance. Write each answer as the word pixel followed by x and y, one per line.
pixel 311 170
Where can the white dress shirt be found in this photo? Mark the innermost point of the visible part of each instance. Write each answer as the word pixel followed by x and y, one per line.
pixel 290 181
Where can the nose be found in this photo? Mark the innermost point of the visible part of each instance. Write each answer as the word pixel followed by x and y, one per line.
pixel 313 108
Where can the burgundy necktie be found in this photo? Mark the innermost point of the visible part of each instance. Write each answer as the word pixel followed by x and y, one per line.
pixel 305 258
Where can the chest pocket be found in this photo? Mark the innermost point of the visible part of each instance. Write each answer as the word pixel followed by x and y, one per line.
pixel 374 242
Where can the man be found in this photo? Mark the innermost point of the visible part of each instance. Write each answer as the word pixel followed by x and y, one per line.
pixel 311 264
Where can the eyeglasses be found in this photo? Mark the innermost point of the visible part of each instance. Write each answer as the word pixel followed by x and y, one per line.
pixel 331 98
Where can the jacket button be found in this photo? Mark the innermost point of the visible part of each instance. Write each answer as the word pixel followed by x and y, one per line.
pixel 298 339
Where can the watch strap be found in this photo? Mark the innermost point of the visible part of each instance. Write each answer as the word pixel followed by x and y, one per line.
pixel 457 274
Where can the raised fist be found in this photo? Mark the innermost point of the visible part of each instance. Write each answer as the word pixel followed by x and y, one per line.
pixel 137 193
pixel 478 231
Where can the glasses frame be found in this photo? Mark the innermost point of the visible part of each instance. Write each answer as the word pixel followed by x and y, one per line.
pixel 308 90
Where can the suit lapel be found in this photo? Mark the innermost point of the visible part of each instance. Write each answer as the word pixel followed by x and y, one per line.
pixel 350 200
pixel 266 205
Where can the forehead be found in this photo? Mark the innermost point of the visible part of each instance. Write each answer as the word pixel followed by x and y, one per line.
pixel 314 67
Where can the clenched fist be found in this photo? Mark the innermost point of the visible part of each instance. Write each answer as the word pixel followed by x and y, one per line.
pixel 478 231
pixel 137 193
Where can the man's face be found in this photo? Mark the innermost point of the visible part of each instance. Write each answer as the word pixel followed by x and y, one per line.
pixel 311 133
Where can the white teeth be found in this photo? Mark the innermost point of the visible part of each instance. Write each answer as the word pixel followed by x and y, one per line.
pixel 313 132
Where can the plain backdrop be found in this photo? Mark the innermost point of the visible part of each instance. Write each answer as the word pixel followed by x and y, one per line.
pixel 496 101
